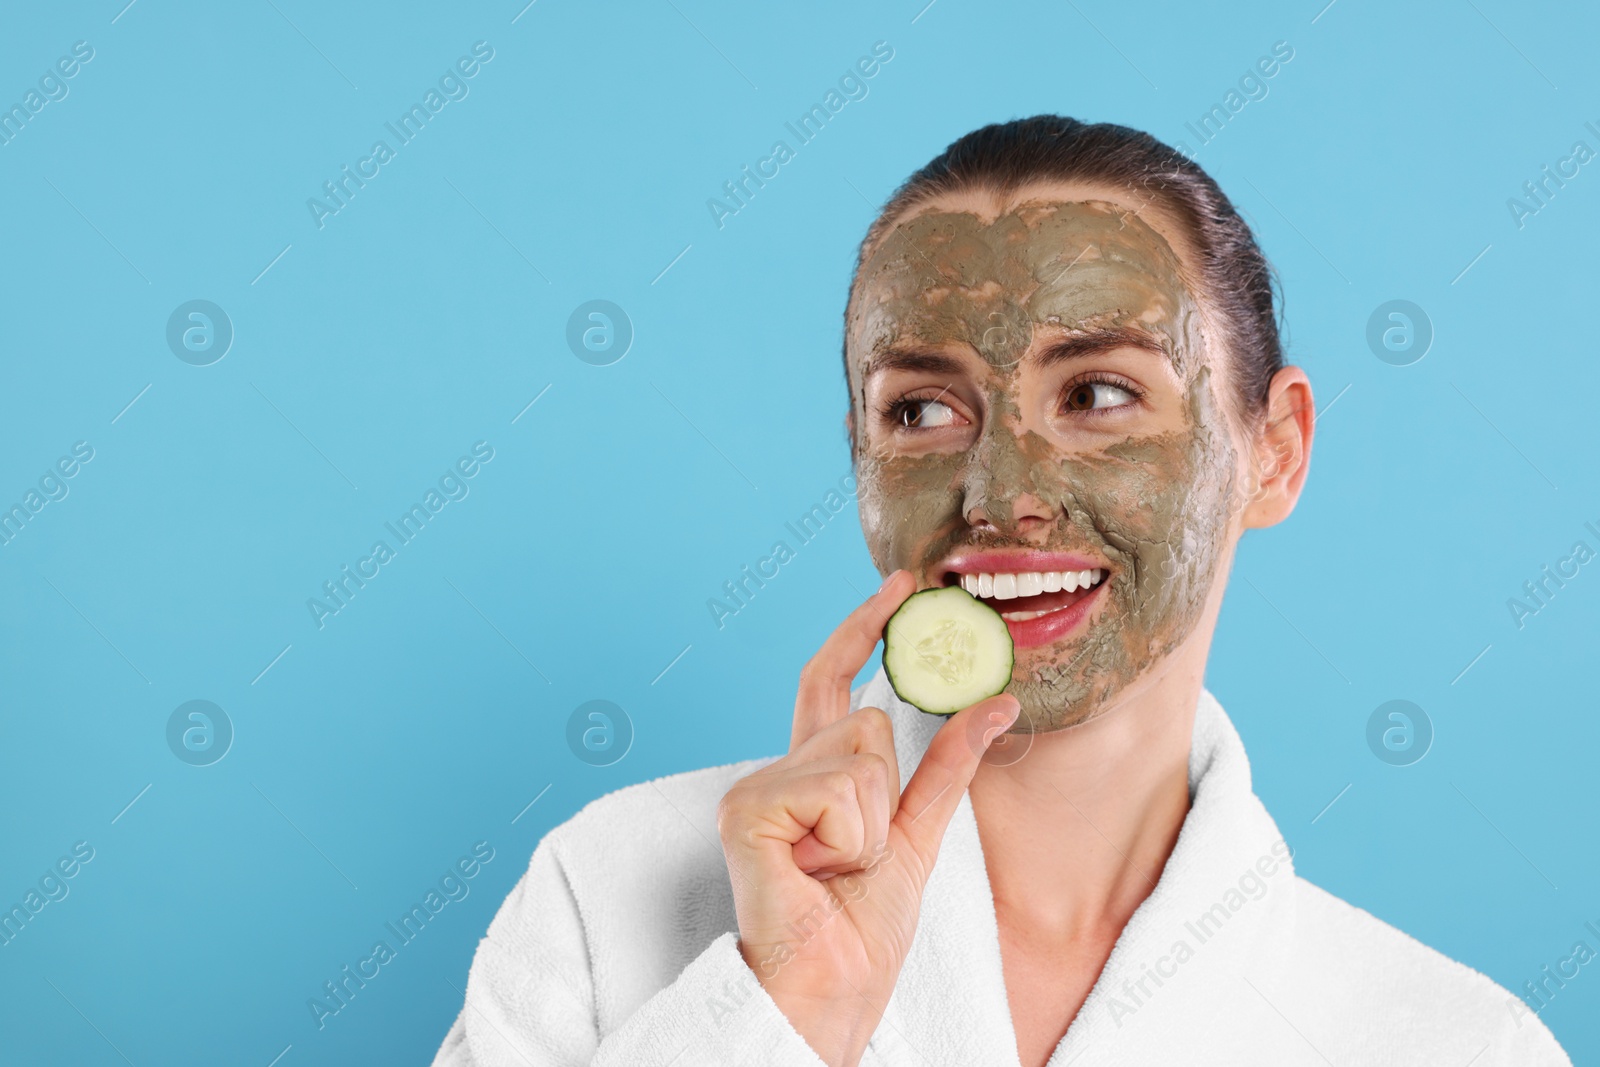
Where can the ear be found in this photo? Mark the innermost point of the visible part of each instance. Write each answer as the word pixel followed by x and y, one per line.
pixel 1282 449
pixel 850 430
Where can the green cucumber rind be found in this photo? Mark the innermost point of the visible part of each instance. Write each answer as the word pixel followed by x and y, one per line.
pixel 944 708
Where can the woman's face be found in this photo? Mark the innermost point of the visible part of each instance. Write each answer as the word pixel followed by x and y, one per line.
pixel 1036 395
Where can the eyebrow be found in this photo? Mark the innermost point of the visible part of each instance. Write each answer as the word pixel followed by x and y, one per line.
pixel 911 360
pixel 1076 346
pixel 1094 342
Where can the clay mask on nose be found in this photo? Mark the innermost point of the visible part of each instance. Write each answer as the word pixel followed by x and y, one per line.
pixel 1156 506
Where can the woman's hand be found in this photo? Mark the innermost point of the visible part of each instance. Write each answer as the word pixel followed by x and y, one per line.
pixel 828 857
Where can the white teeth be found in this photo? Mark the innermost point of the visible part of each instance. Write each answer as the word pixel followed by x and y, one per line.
pixel 1008 585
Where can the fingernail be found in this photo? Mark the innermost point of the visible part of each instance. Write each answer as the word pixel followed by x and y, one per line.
pixel 886 581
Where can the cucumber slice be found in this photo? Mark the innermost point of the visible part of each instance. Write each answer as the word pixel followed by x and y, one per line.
pixel 945 649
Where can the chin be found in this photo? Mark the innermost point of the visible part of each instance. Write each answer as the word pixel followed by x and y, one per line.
pixel 1077 682
pixel 1051 706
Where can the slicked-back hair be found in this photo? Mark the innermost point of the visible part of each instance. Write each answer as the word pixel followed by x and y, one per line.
pixel 1234 279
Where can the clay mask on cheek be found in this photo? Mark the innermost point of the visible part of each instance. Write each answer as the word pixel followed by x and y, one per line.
pixel 1155 506
pixel 1158 508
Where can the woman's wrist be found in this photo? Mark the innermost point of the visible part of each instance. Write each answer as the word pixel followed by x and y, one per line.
pixel 837 1027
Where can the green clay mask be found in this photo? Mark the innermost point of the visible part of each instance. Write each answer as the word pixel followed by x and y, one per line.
pixel 1155 505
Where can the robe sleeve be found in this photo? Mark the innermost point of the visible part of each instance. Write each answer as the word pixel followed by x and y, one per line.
pixel 530 997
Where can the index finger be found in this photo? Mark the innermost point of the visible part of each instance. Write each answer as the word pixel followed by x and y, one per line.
pixel 824 695
pixel 946 770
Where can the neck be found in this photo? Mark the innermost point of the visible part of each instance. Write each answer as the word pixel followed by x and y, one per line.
pixel 1075 834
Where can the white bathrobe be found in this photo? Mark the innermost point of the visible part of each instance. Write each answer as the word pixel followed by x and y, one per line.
pixel 618 947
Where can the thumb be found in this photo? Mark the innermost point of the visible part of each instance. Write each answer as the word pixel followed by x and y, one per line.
pixel 935 790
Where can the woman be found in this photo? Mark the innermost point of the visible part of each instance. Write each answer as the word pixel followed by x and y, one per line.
pixel 1066 394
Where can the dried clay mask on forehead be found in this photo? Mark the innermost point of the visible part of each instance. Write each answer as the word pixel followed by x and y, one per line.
pixel 1155 506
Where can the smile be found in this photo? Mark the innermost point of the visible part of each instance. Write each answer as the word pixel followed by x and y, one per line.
pixel 1005 585
pixel 1042 596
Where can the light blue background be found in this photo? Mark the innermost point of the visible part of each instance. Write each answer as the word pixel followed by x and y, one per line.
pixel 427 314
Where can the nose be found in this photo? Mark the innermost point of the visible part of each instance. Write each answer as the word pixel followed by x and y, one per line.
pixel 1022 514
pixel 1000 493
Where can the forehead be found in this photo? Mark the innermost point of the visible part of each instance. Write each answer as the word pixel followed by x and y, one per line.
pixel 989 271
pixel 1029 202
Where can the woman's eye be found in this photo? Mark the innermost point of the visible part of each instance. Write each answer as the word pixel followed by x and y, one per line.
pixel 924 414
pixel 1091 396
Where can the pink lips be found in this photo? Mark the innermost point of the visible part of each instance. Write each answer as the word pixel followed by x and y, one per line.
pixel 1054 625
pixel 1064 612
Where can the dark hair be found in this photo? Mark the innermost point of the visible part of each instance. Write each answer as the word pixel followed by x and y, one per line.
pixel 1234 277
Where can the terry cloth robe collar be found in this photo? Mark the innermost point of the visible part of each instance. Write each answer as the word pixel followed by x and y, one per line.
pixel 1185 963
pixel 619 948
